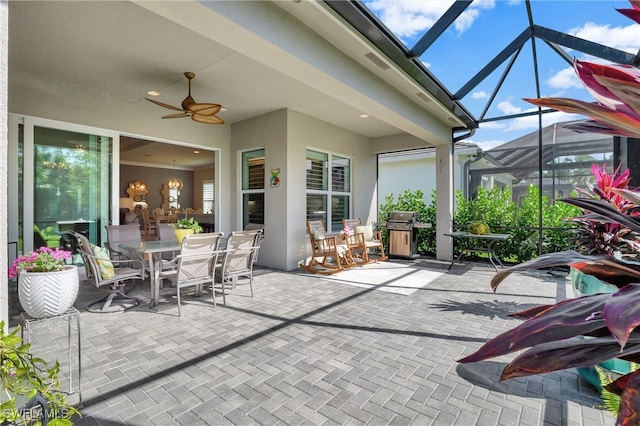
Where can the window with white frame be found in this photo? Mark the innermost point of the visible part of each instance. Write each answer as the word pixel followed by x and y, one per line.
pixel 207 196
pixel 328 188
pixel 253 186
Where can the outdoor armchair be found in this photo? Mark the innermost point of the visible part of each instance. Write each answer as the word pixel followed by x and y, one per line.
pixel 103 272
pixel 195 266
pixel 239 255
pixel 118 234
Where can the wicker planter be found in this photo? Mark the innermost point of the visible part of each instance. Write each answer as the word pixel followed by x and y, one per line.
pixel 47 294
pixel 181 233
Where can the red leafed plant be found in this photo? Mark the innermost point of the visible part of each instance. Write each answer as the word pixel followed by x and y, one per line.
pixel 616 89
pixel 552 337
pixel 595 236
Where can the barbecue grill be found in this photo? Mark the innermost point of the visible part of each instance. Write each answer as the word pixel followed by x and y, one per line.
pixel 402 233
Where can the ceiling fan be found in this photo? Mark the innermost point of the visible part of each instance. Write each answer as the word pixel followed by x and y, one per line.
pixel 200 112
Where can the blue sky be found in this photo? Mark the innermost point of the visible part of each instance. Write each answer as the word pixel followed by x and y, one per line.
pixel 488 26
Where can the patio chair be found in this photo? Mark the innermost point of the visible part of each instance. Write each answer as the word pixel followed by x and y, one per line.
pixel 195 266
pixel 238 260
pixel 372 238
pixel 102 271
pixel 150 230
pixel 167 232
pixel 118 234
pixel 329 254
pixel 256 227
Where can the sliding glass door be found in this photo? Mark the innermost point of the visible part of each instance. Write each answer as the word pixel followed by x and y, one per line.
pixel 64 183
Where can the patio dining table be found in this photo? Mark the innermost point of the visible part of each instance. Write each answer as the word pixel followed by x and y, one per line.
pixel 154 249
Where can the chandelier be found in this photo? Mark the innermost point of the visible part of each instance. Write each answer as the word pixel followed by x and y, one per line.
pixel 174 182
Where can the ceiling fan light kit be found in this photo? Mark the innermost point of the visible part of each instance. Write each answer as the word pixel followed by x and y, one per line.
pixel 200 112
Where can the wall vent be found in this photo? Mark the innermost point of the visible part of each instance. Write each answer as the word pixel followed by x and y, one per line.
pixel 376 60
pixel 424 97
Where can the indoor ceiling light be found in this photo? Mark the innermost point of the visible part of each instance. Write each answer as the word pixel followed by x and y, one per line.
pixel 364 115
pixel 153 93
pixel 174 182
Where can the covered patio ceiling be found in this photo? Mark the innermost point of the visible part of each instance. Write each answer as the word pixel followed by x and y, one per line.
pixel 111 53
pixel 115 51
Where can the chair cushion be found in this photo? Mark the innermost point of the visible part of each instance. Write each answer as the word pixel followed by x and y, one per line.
pixel 367 230
pixel 318 234
pixel 104 262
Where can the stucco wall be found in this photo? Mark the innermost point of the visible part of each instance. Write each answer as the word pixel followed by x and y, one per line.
pixel 307 132
pixel 4 72
pixel 412 172
pixel 286 135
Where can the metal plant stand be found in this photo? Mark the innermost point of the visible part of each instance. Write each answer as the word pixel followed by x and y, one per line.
pixel 26 324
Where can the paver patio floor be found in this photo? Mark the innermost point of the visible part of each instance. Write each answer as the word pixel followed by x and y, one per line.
pixel 309 351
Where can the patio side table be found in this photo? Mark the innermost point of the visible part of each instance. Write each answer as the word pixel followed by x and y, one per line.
pixel 26 323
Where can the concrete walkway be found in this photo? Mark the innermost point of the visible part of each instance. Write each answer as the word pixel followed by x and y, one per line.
pixel 308 351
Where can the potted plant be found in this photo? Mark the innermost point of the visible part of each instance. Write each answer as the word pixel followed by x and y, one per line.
pixel 47 285
pixel 552 336
pixel 597 237
pixel 186 226
pixel 27 382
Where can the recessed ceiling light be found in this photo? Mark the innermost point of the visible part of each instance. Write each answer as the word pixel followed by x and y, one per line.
pixel 195 151
pixel 223 109
pixel 364 115
pixel 153 93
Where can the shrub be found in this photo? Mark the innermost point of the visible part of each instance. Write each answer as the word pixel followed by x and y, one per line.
pixel 495 208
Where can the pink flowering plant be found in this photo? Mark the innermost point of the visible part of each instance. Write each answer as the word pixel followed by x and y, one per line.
pixel 43 259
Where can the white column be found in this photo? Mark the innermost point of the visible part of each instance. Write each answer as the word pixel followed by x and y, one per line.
pixel 4 74
pixel 444 201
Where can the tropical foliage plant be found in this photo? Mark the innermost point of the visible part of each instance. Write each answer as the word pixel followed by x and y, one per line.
pixel 594 236
pixel 588 330
pixel 616 89
pixel 25 376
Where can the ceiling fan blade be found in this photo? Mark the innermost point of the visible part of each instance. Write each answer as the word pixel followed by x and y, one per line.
pixel 183 114
pixel 206 119
pixel 202 113
pixel 204 108
pixel 162 104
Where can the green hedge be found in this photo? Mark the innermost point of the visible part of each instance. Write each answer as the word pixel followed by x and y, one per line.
pixel 496 209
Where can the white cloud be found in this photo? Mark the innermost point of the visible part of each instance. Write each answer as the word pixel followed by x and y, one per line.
pixel 508 108
pixel 493 125
pixel 487 145
pixel 466 19
pixel 623 38
pixel 565 79
pixel 479 95
pixel 426 64
pixel 530 123
pixel 406 19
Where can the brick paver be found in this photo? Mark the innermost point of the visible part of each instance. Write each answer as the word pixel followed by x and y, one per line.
pixel 305 350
